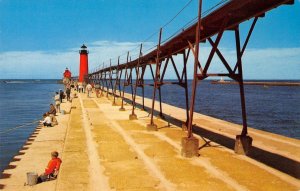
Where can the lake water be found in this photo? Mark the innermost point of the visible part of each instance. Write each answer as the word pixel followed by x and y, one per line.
pixel 274 108
pixel 21 102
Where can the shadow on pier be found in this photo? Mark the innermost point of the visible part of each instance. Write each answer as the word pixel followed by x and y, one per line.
pixel 276 161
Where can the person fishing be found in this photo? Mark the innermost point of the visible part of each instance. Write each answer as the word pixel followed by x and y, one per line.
pixel 51 171
pixel 52 110
pixel 47 120
pixel 52 113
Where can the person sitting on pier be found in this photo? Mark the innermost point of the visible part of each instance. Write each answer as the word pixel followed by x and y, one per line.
pixel 52 110
pixel 52 113
pixel 47 120
pixel 52 169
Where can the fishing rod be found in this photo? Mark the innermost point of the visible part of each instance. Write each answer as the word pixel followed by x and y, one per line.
pixel 17 127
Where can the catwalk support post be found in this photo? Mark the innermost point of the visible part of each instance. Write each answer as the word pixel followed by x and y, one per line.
pixel 243 142
pixel 116 83
pixel 133 116
pixel 125 82
pixel 152 126
pixel 190 145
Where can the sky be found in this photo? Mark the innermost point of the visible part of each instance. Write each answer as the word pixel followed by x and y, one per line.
pixel 40 38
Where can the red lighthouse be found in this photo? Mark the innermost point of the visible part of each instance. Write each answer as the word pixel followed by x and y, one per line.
pixel 84 66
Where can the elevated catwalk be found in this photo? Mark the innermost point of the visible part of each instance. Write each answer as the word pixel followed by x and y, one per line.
pixel 235 11
pixel 210 28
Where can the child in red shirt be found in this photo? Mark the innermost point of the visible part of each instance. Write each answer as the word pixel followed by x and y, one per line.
pixel 52 169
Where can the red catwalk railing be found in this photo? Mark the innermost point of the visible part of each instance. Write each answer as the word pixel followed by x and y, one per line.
pixel 226 18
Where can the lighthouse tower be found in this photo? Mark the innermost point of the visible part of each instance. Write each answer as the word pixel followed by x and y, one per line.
pixel 84 67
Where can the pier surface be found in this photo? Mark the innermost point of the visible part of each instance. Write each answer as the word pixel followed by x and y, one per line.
pixel 102 149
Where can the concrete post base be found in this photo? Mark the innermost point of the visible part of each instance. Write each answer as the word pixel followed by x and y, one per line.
pixel 122 109
pixel 190 147
pixel 114 104
pixel 151 127
pixel 242 144
pixel 132 117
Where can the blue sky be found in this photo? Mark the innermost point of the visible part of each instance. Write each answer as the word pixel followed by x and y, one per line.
pixel 39 38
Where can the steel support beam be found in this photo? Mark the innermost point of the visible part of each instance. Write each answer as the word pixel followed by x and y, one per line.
pixel 190 144
pixel 152 126
pixel 124 85
pixel 117 81
pixel 133 116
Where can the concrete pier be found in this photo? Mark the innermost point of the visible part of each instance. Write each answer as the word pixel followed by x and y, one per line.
pixel 102 149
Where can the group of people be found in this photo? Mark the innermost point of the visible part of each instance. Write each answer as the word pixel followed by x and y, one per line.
pixel 51 171
pixel 53 166
pixel 49 120
pixel 83 87
pixel 49 117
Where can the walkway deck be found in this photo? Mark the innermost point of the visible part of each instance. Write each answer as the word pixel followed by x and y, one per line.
pixel 103 150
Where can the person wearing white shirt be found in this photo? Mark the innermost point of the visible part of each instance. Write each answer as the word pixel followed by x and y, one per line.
pixel 89 89
pixel 57 101
pixel 47 120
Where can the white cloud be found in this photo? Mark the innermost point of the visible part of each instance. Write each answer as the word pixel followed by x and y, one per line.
pixel 103 51
pixel 36 64
pixel 273 63
pixel 45 65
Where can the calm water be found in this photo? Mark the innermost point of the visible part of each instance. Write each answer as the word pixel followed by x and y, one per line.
pixel 21 102
pixel 273 109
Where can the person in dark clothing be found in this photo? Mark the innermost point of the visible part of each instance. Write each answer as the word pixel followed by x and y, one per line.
pixel 61 95
pixel 68 92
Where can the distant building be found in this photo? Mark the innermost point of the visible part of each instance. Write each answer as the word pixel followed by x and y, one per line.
pixel 67 74
pixel 67 77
